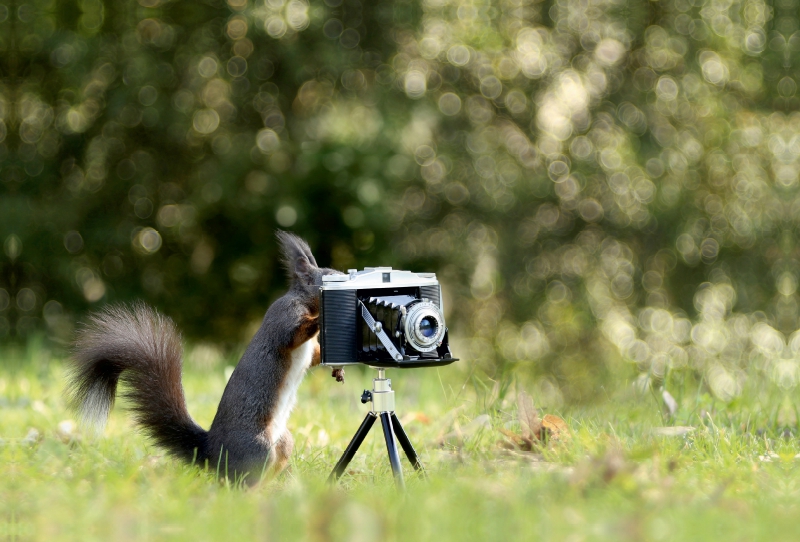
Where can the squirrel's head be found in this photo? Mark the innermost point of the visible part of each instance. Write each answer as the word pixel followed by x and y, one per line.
pixel 305 275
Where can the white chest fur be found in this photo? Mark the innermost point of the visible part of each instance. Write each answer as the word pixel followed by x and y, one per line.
pixel 287 394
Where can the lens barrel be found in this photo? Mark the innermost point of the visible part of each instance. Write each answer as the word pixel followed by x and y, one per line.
pixel 424 326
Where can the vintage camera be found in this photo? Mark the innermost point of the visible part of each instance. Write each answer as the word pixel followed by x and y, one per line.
pixel 383 317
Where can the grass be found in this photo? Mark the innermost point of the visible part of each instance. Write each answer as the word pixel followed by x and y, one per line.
pixel 614 477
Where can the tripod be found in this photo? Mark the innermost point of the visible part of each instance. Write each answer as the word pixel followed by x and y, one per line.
pixel 382 398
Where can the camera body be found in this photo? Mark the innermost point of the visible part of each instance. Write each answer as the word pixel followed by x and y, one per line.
pixel 382 317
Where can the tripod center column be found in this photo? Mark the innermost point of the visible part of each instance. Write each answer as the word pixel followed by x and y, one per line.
pixel 382 394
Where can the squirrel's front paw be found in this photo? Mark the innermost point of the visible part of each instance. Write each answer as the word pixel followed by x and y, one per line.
pixel 338 374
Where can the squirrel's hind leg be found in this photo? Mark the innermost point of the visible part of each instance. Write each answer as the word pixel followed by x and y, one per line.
pixel 283 451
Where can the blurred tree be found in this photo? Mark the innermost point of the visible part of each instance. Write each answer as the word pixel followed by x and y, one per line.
pixel 593 180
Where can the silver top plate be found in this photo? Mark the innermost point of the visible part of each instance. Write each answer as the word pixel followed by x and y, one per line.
pixel 373 277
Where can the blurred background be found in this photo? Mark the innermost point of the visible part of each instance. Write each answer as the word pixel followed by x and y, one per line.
pixel 607 189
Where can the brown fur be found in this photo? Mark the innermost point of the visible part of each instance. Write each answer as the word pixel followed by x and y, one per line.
pixel 316 359
pixel 283 451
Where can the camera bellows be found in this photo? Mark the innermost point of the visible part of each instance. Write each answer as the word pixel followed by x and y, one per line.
pixel 387 311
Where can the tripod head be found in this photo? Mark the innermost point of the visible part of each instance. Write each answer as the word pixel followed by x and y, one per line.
pixel 381 396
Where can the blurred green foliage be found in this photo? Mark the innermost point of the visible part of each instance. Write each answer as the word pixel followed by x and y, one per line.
pixel 593 180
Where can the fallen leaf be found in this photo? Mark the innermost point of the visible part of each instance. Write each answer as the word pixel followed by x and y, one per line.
pixel 506 445
pixel 517 441
pixel 510 434
pixel 670 403
pixel 676 431
pixel 513 441
pixel 554 427
pixel 420 417
pixel 528 416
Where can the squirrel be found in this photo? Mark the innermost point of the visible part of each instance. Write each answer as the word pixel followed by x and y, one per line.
pixel 248 438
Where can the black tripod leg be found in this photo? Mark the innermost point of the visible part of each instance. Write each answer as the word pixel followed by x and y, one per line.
pixel 394 456
pixel 352 448
pixel 408 448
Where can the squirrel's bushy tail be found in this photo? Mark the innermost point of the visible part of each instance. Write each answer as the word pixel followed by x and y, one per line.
pixel 142 348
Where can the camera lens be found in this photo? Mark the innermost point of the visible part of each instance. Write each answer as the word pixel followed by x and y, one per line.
pixel 424 326
pixel 427 326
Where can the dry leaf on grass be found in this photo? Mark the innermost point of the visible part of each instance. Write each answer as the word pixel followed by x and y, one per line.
pixel 420 417
pixel 670 404
pixel 534 430
pixel 514 441
pixel 672 431
pixel 554 428
pixel 528 416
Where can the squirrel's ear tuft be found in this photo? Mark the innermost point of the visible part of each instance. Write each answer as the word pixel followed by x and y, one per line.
pixel 296 257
